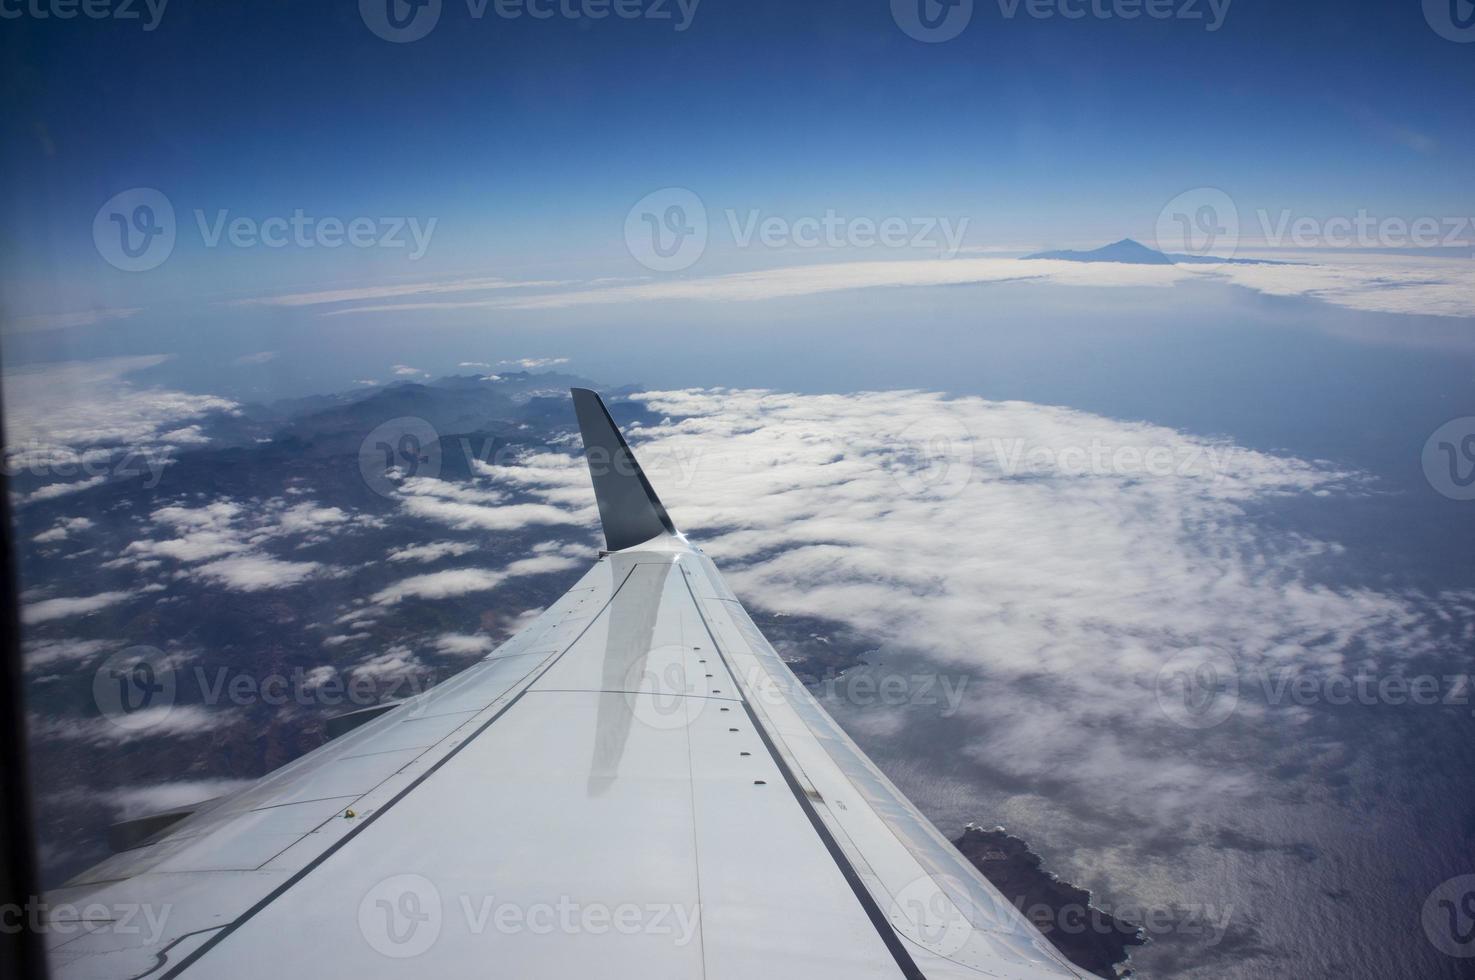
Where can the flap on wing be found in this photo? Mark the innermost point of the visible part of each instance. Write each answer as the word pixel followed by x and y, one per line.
pixel 129 834
pixel 629 509
pixel 349 720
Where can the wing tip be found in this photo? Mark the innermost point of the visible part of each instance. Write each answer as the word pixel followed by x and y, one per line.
pixel 629 509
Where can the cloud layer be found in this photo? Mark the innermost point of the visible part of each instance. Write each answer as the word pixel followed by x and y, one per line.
pixel 1061 556
pixel 1409 284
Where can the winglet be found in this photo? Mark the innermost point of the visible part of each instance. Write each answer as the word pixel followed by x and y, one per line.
pixel 631 512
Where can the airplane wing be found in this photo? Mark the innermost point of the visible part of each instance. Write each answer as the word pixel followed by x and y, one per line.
pixel 635 785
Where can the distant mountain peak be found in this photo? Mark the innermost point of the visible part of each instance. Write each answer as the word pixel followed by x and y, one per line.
pixel 1127 250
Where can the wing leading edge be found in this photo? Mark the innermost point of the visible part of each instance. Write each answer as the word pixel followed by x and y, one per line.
pixel 635 784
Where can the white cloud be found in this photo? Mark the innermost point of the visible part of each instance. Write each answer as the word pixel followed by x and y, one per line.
pixel 405 371
pixel 532 363
pixel 89 403
pixel 542 565
pixel 434 551
pixel 47 653
pixel 360 293
pixel 1384 283
pixel 393 664
pixel 65 321
pixel 308 517
pixel 228 537
pixel 251 360
pixel 1053 554
pixel 176 721
pixel 63 529
pixel 142 801
pixel 62 608
pixel 189 435
pixel 53 490
pixel 1381 283
pixel 254 573
pixel 441 585
pixel 474 517
pixel 471 508
pixel 462 645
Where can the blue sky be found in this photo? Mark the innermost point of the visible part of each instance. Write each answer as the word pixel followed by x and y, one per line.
pixel 529 140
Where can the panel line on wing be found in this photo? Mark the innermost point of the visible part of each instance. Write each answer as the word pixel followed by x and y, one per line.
pixel 889 936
